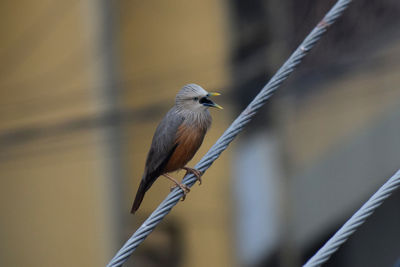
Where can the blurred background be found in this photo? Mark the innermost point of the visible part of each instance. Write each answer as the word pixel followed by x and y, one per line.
pixel 83 84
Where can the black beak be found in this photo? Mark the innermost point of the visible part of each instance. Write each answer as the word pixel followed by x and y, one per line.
pixel 205 101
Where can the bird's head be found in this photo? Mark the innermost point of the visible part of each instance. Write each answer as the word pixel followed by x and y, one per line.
pixel 194 98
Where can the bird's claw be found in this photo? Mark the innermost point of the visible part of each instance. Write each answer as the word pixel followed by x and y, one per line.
pixel 185 189
pixel 196 173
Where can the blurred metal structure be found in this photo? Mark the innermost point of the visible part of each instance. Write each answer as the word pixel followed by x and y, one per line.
pixel 236 127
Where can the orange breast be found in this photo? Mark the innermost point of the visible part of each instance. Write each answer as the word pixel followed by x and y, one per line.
pixel 189 139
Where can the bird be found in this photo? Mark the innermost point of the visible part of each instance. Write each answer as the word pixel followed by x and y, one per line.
pixel 177 138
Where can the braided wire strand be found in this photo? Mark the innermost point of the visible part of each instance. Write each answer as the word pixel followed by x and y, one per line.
pixel 341 236
pixel 233 130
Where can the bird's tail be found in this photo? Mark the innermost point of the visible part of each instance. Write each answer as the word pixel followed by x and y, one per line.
pixel 139 196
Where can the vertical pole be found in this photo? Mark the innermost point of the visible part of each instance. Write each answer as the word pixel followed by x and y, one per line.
pixel 289 254
pixel 99 14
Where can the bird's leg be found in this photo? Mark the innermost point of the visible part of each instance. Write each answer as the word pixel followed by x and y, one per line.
pixel 196 173
pixel 184 187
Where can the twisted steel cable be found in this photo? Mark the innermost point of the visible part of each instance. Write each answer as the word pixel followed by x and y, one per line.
pixel 354 222
pixel 234 129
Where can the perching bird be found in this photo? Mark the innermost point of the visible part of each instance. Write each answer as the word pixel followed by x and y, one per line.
pixel 177 138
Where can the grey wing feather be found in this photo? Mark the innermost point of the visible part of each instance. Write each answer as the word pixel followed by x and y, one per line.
pixel 162 148
pixel 163 143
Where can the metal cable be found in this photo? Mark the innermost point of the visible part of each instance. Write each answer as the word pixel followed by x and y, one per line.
pixel 234 129
pixel 354 222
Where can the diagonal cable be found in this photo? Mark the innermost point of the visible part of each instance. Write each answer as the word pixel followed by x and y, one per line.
pixel 234 129
pixel 354 222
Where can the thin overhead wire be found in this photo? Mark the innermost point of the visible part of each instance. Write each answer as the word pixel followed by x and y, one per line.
pixel 234 129
pixel 341 236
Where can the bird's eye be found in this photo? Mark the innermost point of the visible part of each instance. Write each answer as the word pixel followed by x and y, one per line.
pixel 195 98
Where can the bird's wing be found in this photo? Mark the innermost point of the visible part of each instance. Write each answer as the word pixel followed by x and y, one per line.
pixel 162 148
pixel 163 144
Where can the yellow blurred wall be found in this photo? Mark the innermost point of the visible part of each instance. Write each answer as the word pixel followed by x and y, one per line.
pixel 54 186
pixel 53 195
pixel 163 46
